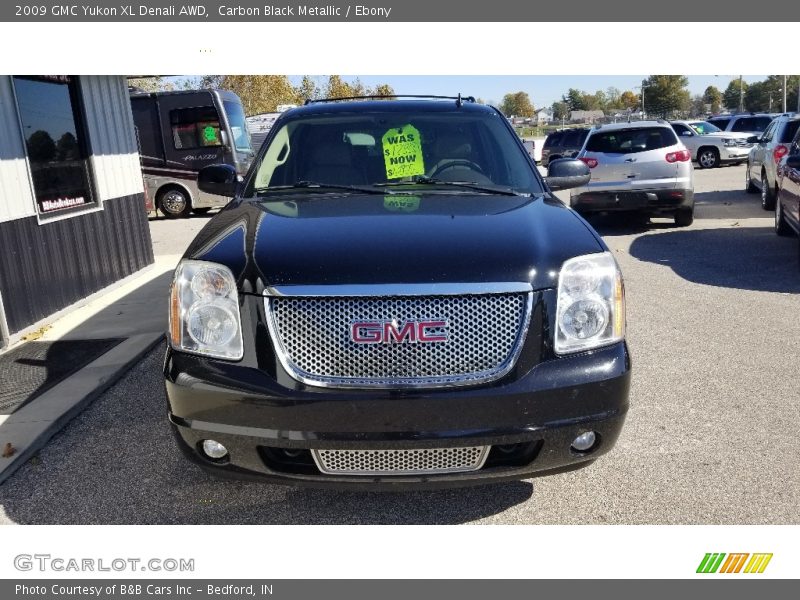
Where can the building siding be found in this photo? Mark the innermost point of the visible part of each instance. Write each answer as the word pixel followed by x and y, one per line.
pixel 16 196
pixel 46 267
pixel 114 154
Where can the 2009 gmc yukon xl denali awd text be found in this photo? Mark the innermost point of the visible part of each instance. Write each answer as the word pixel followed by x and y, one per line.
pixel 395 299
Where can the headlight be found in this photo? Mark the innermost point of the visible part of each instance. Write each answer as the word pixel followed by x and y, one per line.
pixel 591 304
pixel 729 143
pixel 204 311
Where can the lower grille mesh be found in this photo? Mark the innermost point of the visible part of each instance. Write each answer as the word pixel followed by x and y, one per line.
pixel 426 461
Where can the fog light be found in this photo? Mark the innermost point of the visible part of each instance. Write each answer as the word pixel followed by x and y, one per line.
pixel 584 441
pixel 214 449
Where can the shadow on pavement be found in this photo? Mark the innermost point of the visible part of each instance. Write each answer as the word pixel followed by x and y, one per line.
pixel 748 258
pixel 117 463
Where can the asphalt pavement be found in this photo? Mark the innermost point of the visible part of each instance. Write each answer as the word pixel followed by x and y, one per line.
pixel 711 437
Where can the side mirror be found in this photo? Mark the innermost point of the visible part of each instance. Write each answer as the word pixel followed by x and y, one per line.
pixel 793 161
pixel 567 173
pixel 218 179
pixel 754 139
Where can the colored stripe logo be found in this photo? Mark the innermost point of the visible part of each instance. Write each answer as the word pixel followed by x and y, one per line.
pixel 719 562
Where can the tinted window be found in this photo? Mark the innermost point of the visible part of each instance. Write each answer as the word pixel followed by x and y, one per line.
pixel 754 124
pixel 196 127
pixel 627 141
pixel 761 123
pixel 720 122
pixel 49 109
pixel 770 131
pixel 679 129
pixel 571 139
pixel 397 148
pixel 553 139
pixel 789 131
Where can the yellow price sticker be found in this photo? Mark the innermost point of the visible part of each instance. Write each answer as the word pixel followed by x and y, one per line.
pixel 402 152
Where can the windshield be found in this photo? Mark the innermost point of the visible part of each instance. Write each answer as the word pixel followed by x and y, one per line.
pixel 398 149
pixel 236 120
pixel 704 127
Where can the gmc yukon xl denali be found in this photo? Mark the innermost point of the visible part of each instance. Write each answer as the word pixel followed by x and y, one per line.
pixel 395 299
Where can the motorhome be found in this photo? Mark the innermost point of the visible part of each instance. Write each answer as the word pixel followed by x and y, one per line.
pixel 181 132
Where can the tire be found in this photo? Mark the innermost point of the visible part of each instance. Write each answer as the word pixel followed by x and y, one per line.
pixel 684 217
pixel 749 186
pixel 708 158
pixel 201 211
pixel 174 203
pixel 781 226
pixel 767 194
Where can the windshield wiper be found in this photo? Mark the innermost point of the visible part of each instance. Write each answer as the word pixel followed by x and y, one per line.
pixel 316 185
pixel 470 185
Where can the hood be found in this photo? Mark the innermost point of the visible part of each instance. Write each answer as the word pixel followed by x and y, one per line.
pixel 327 239
pixel 728 135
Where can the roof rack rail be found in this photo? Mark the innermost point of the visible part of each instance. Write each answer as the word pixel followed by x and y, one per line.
pixel 459 99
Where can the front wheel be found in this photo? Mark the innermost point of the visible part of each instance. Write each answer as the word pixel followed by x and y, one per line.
pixel 781 226
pixel 684 217
pixel 708 158
pixel 767 194
pixel 174 203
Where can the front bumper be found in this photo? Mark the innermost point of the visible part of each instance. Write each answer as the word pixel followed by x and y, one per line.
pixel 533 416
pixel 647 201
pixel 734 153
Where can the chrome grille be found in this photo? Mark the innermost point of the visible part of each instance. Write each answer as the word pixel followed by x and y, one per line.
pixel 484 337
pixel 428 461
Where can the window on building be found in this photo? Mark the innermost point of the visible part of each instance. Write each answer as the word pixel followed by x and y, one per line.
pixel 55 137
pixel 196 127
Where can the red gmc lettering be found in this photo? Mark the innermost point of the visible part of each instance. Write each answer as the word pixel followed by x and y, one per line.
pixel 374 332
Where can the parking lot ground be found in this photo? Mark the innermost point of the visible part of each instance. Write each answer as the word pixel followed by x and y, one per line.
pixel 710 437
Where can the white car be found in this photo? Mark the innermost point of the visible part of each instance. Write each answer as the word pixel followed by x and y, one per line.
pixel 638 167
pixel 710 146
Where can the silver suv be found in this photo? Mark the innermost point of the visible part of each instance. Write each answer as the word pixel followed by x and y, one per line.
pixel 637 167
pixel 710 146
pixel 764 158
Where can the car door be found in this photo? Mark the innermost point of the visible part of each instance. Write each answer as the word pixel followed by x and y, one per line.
pixel 789 194
pixel 688 137
pixel 759 151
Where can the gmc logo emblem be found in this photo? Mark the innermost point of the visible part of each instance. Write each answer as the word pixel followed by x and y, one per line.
pixel 390 332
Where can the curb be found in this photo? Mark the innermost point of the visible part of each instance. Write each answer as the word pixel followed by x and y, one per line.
pixel 31 427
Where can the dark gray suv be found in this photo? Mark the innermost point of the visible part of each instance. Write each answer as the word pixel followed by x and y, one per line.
pixel 564 143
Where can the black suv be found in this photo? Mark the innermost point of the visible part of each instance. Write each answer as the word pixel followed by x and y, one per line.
pixel 564 143
pixel 395 298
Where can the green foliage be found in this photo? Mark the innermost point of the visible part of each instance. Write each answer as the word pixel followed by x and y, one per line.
pixel 517 104
pixel 666 95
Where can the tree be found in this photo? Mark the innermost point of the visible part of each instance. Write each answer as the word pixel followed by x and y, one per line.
pixel 560 110
pixel 732 93
pixel 148 84
pixel 517 104
pixel 306 90
pixel 41 147
pixel 382 89
pixel 767 95
pixel 337 87
pixel 596 101
pixel 665 95
pixel 698 107
pixel 260 93
pixel 574 99
pixel 713 97
pixel 67 147
pixel 613 98
pixel 630 101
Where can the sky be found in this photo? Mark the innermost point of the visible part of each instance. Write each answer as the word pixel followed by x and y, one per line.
pixel 543 89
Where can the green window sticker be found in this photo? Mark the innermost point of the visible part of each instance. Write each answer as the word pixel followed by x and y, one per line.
pixel 402 152
pixel 209 134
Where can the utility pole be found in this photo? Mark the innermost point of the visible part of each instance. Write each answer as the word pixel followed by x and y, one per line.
pixel 741 94
pixel 784 93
